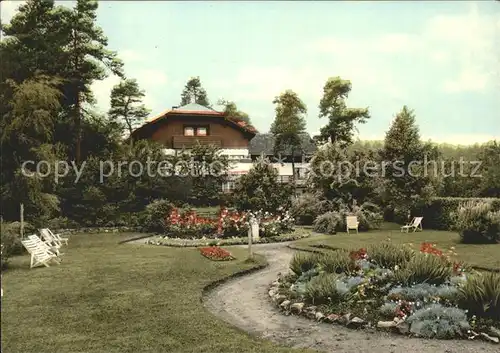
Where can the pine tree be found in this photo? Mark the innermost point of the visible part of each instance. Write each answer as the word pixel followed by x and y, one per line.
pixel 289 124
pixel 127 110
pixel 194 93
pixel 341 119
pixel 86 58
pixel 406 182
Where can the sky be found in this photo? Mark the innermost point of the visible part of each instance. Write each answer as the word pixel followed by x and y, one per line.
pixel 441 59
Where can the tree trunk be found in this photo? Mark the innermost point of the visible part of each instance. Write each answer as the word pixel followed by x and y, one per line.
pixel 293 170
pixel 78 128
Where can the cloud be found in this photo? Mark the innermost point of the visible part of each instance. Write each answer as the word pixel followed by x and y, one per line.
pixel 472 39
pixel 149 78
pixel 467 81
pixel 8 8
pixel 102 90
pixel 129 56
pixel 468 43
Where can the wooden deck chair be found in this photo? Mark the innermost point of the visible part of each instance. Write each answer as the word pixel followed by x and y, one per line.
pixel 56 237
pixel 50 247
pixel 415 224
pixel 40 255
pixel 352 223
pixel 49 239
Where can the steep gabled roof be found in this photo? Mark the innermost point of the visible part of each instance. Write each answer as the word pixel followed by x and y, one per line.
pixel 198 110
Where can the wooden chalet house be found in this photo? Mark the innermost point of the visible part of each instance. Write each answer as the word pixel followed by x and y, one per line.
pixel 182 127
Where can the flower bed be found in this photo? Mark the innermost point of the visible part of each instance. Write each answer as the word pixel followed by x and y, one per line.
pixel 228 224
pixel 194 242
pixel 418 293
pixel 215 253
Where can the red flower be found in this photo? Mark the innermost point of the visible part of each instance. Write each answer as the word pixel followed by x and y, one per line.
pixel 429 248
pixel 216 253
pixel 359 254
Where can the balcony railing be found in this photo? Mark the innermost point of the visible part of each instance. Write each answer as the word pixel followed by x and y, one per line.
pixel 181 141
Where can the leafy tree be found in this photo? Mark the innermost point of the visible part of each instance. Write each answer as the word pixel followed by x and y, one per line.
pixel 288 124
pixel 127 111
pixel 207 169
pixel 26 131
pixel 261 190
pixel 407 180
pixel 344 177
pixel 490 178
pixel 231 110
pixel 341 119
pixel 194 93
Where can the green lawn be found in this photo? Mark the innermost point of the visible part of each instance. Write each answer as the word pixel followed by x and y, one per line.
pixel 477 255
pixel 107 298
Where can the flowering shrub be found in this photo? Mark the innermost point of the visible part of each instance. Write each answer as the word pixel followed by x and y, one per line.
pixel 232 224
pixel 228 224
pixel 424 290
pixel 271 225
pixel 216 254
pixel 188 224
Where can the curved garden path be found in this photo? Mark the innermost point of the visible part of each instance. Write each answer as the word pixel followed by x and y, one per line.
pixel 244 303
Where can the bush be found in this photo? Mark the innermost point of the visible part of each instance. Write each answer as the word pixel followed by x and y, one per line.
pixel 328 223
pixel 303 262
pixel 439 212
pixel 481 295
pixel 369 217
pixel 424 268
pixel 261 190
pixel 156 214
pixel 476 222
pixel 10 239
pixel 422 291
pixel 388 255
pixel 437 321
pixel 325 288
pixel 61 223
pixel 307 207
pixel 337 261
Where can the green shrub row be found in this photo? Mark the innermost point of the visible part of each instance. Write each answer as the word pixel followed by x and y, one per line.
pixel 438 212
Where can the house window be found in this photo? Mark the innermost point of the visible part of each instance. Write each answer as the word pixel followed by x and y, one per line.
pixel 201 131
pixel 195 130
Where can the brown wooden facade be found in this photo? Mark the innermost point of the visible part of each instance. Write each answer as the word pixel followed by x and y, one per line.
pixel 171 129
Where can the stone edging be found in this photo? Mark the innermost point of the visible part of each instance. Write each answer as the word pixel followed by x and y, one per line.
pixel 309 311
pixel 243 241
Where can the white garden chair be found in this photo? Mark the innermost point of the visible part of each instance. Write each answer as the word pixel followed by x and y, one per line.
pixel 40 253
pixel 415 224
pixel 47 234
pixel 352 223
pixel 52 248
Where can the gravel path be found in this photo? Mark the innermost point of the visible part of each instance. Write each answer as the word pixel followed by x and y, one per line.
pixel 244 302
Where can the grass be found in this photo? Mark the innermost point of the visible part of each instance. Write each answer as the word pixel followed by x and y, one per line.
pixel 107 298
pixel 487 255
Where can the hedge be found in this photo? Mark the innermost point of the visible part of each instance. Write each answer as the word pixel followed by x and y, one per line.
pixel 437 212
